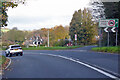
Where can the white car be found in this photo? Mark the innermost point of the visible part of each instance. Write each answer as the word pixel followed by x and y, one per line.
pixel 14 49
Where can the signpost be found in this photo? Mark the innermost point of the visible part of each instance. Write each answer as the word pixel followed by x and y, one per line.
pixel 106 29
pixel 109 25
pixel 113 29
pixel 75 39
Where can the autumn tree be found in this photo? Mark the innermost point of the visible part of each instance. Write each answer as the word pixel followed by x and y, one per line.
pixel 75 26
pixel 16 35
pixel 82 25
pixel 4 5
pixel 55 34
pixel 58 33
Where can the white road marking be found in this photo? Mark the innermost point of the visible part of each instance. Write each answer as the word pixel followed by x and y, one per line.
pixel 8 63
pixel 0 72
pixel 77 50
pixel 87 65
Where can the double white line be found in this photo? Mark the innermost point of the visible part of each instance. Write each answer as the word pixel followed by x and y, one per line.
pixel 87 65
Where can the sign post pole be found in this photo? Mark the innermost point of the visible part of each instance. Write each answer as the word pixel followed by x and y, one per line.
pixel 75 39
pixel 116 38
pixel 108 40
pixel 48 38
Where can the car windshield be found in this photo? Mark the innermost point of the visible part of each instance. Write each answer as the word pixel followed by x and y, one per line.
pixel 14 46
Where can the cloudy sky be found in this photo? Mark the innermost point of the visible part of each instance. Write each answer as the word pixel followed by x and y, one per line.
pixel 36 14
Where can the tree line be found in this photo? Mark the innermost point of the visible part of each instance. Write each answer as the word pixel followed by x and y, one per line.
pixel 18 36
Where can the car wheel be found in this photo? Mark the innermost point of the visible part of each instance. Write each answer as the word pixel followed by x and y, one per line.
pixel 10 54
pixel 16 54
pixel 21 54
pixel 7 55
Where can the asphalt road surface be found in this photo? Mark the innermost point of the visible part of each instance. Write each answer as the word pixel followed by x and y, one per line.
pixel 40 64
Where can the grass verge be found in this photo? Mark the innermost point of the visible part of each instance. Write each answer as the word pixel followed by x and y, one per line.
pixel 50 48
pixel 3 62
pixel 115 49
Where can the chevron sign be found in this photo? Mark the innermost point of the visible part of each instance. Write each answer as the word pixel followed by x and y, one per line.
pixel 107 29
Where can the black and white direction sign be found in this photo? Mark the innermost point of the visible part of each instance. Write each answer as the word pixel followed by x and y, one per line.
pixel 113 29
pixel 106 29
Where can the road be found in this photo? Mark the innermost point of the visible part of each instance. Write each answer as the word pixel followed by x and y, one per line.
pixel 40 64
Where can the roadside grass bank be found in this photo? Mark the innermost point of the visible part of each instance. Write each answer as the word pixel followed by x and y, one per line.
pixel 3 62
pixel 115 49
pixel 50 48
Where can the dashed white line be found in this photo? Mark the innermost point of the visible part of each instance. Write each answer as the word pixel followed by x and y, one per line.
pixel 87 65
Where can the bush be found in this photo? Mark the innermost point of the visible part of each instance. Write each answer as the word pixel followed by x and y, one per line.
pixel 62 43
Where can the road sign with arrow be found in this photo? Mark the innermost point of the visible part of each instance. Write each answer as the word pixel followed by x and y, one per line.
pixel 113 29
pixel 109 25
pixel 106 29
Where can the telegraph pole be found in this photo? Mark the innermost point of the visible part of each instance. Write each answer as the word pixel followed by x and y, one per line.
pixel 48 38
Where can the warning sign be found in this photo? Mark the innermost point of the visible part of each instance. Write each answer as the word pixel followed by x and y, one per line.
pixel 111 23
pixel 75 37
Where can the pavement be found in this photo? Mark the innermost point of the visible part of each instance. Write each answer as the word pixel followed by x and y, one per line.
pixel 35 65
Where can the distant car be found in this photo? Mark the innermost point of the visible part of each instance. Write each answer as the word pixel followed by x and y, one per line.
pixel 14 49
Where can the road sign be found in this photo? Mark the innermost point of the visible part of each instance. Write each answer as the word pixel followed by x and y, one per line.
pixel 106 29
pixel 113 29
pixel 108 23
pixel 75 37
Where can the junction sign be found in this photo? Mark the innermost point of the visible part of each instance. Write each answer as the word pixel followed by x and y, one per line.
pixel 108 23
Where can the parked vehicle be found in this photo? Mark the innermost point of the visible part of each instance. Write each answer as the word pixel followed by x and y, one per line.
pixel 14 49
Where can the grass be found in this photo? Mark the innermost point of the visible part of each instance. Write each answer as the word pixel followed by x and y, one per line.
pixel 50 48
pixel 2 60
pixel 114 49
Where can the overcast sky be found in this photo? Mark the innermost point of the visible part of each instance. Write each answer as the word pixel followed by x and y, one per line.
pixel 36 14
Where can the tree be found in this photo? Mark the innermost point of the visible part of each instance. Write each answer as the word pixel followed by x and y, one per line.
pixel 4 8
pixel 4 4
pixel 75 25
pixel 15 28
pixel 15 36
pixel 97 10
pixel 113 12
pixel 58 33
pixel 90 29
pixel 82 25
